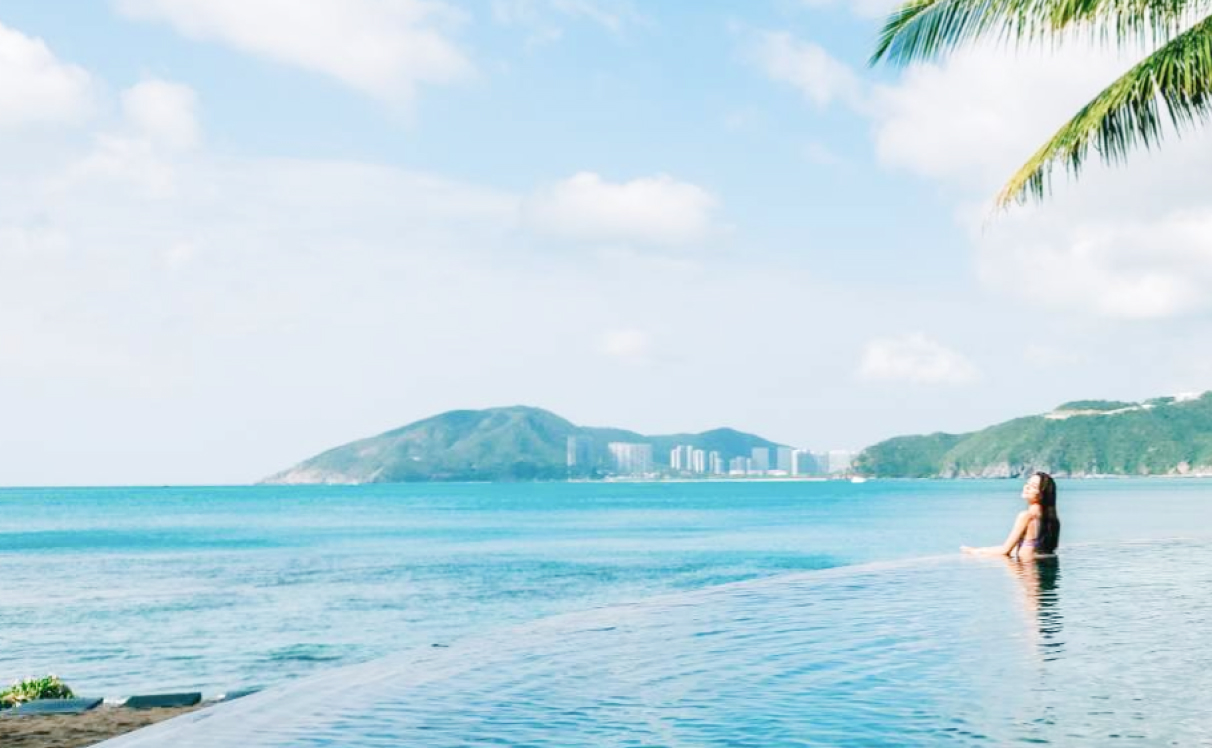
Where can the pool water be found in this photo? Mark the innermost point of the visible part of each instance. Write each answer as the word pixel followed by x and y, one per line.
pixel 1105 645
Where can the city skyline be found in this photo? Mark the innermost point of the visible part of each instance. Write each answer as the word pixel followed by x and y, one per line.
pixel 636 459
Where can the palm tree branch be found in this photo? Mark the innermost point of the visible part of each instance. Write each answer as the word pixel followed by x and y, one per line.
pixel 1174 83
pixel 926 29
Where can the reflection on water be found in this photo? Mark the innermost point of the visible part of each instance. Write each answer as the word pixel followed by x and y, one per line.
pixel 126 591
pixel 921 654
pixel 1040 581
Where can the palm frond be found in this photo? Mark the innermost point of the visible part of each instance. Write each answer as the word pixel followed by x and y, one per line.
pixel 922 30
pixel 1174 83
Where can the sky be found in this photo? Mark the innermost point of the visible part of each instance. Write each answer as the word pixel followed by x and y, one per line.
pixel 235 233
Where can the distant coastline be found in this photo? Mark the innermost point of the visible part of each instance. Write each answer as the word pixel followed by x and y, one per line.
pixel 524 444
pixel 1164 436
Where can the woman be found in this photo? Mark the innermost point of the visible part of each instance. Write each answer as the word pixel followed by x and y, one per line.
pixel 1037 530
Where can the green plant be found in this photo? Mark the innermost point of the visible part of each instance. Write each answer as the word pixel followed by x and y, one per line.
pixel 32 689
pixel 1174 83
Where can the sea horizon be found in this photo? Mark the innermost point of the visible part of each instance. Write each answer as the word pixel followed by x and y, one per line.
pixel 774 479
pixel 613 541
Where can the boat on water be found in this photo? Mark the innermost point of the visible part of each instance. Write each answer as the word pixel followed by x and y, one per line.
pixel 857 479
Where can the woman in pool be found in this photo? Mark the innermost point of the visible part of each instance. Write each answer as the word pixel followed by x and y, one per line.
pixel 1037 530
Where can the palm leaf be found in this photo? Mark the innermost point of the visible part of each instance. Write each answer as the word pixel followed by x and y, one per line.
pixel 1128 113
pixel 927 29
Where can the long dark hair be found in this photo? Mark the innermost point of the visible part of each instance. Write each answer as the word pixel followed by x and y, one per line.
pixel 1049 521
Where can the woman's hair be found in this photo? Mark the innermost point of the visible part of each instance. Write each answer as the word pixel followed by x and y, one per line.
pixel 1049 521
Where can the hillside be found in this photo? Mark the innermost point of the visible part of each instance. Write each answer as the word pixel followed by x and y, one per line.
pixel 1161 436
pixel 498 444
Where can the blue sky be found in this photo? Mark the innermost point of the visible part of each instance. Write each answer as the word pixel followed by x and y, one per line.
pixel 233 234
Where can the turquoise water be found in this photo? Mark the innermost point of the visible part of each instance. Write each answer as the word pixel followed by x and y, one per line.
pixel 1105 646
pixel 128 590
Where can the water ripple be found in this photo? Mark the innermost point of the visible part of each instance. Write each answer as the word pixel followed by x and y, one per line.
pixel 1104 645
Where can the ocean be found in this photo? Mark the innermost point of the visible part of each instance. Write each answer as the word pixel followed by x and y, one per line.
pixel 126 590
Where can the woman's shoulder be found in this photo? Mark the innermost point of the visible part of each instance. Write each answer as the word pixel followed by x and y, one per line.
pixel 1033 511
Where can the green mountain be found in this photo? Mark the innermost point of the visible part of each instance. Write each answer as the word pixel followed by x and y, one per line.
pixel 1162 436
pixel 498 444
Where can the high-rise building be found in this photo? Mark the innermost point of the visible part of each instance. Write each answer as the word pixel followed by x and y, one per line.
pixel 716 463
pixel 698 461
pixel 782 459
pixel 681 458
pixel 738 466
pixel 630 458
pixel 822 462
pixel 761 460
pixel 580 454
pixel 804 463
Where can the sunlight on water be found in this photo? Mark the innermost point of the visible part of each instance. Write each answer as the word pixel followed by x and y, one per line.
pixel 1104 645
pixel 124 591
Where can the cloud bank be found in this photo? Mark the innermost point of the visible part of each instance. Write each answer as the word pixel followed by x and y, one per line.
pixel 36 87
pixel 915 358
pixel 384 48
pixel 657 210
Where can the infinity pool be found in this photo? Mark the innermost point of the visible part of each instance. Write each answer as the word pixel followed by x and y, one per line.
pixel 1105 646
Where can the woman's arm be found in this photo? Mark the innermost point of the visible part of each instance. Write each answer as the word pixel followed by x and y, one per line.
pixel 1012 540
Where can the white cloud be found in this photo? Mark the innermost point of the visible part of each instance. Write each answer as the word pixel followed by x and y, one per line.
pixel 1125 243
pixel 1130 263
pixel 613 15
pixel 35 87
pixel 385 48
pixel 974 117
pixel 148 312
pixel 544 18
pixel 238 250
pixel 530 15
pixel 631 345
pixel 160 127
pixel 915 358
pixel 164 112
pixel 806 66
pixel 650 210
pixel 867 9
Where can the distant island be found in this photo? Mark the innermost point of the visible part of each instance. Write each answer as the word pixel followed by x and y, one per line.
pixel 522 443
pixel 1161 436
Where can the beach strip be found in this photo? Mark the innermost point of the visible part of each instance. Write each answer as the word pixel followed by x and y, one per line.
pixel 79 730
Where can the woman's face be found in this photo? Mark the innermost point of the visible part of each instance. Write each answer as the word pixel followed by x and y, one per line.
pixel 1031 490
